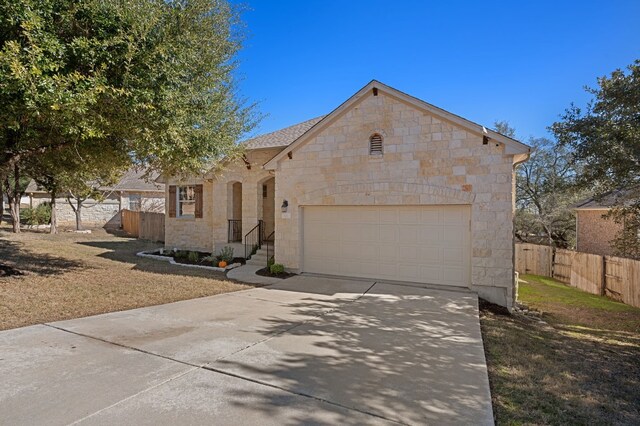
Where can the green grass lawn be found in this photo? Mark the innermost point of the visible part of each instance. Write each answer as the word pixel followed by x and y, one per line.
pixel 576 362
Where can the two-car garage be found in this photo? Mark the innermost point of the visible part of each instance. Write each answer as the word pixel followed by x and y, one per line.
pixel 423 243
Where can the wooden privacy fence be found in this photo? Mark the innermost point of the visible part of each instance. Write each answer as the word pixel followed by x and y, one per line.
pixel 143 225
pixel 616 277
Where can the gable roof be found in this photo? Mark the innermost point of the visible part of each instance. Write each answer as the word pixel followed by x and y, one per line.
pixel 512 146
pixel 134 180
pixel 617 197
pixel 281 138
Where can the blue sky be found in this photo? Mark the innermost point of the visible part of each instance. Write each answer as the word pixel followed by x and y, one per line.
pixel 523 62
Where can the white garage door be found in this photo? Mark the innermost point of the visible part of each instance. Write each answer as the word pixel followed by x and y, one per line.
pixel 425 244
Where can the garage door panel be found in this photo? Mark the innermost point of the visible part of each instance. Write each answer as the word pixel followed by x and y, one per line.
pixel 454 217
pixel 407 234
pixel 388 216
pixel 388 233
pixel 429 244
pixel 389 252
pixel 409 253
pixel 431 274
pixel 429 235
pixel 409 272
pixel 430 215
pixel 453 235
pixel 453 256
pixel 451 275
pixel 409 216
pixel 431 255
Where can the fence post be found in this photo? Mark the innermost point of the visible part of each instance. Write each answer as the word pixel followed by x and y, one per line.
pixel 603 284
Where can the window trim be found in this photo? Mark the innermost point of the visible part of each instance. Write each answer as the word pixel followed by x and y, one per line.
pixel 180 202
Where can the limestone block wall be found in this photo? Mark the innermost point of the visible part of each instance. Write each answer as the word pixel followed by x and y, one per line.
pixel 594 233
pixel 94 213
pixel 211 231
pixel 191 233
pixel 425 161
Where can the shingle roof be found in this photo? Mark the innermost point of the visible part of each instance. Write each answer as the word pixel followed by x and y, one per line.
pixel 610 199
pixel 134 180
pixel 281 138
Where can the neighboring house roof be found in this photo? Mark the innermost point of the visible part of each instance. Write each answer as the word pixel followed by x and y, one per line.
pixel 132 181
pixel 33 187
pixel 606 201
pixel 512 146
pixel 281 138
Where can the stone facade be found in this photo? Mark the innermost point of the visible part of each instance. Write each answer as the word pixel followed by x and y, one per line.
pixel 426 161
pixel 429 159
pixel 191 233
pixel 594 233
pixel 221 203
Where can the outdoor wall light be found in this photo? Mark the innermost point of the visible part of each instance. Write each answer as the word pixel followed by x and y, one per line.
pixel 285 206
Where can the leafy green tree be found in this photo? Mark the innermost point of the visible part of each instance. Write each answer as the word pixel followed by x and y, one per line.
pixel 605 137
pixel 150 81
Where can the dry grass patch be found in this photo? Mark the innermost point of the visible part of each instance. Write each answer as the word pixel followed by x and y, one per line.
pixel 74 275
pixel 579 366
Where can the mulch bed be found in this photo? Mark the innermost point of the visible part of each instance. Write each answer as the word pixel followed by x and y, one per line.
pixel 201 255
pixel 8 271
pixel 265 272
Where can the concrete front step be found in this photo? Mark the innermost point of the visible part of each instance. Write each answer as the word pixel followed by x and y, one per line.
pixel 260 257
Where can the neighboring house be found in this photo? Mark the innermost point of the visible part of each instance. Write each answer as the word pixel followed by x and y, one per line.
pixel 386 187
pixel 594 232
pixel 133 192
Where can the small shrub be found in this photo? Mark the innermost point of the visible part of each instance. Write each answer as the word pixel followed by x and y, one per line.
pixel 41 215
pixel 193 256
pixel 26 214
pixel 210 259
pixel 226 254
pixel 181 254
pixel 270 262
pixel 276 269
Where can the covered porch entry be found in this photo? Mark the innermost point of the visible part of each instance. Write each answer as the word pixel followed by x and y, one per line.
pixel 251 216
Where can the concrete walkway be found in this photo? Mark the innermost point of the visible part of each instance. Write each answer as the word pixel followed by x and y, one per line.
pixel 247 274
pixel 305 350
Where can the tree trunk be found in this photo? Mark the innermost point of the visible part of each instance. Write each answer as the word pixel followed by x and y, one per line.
pixel 54 219
pixel 14 207
pixel 1 201
pixel 14 195
pixel 78 212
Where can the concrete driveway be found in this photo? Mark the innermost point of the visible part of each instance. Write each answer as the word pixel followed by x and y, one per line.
pixel 309 350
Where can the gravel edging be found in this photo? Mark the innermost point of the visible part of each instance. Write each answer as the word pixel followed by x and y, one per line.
pixel 173 262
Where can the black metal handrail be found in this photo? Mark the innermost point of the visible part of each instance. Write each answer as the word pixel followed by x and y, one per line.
pixel 253 240
pixel 234 231
pixel 269 241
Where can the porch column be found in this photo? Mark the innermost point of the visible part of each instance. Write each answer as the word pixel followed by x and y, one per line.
pixel 250 207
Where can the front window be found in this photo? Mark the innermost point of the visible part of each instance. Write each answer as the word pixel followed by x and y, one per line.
pixel 186 201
